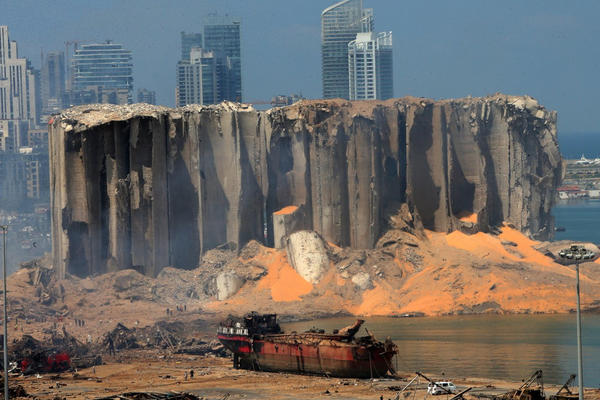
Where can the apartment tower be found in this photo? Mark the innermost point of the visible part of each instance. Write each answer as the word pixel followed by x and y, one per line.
pixel 197 79
pixel 17 83
pixel 370 66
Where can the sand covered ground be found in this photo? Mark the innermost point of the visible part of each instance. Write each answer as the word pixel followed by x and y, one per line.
pixel 215 379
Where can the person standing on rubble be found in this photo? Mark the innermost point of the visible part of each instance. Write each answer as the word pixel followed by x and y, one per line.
pixel 111 346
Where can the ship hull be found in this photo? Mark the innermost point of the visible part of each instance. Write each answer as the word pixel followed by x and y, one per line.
pixel 323 357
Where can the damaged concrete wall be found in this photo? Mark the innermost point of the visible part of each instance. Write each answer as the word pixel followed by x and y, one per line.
pixel 146 187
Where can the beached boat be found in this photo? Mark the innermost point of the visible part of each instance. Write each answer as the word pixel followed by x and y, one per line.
pixel 258 343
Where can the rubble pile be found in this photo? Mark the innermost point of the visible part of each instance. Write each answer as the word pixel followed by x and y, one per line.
pixel 176 337
pixel 60 352
pixel 151 396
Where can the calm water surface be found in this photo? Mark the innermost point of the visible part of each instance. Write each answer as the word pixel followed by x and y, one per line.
pixel 488 346
pixel 580 217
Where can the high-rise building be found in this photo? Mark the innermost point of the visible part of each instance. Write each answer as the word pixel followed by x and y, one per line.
pixel 13 134
pixel 189 40
pixel 222 37
pixel 146 96
pixel 18 83
pixel 52 82
pixel 339 25
pixel 197 79
pixel 370 66
pixel 106 69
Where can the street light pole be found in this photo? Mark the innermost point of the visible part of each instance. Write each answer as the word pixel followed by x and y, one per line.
pixel 574 255
pixel 4 342
pixel 579 350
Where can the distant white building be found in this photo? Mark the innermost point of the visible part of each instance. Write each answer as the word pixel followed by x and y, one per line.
pixel 594 193
pixel 17 83
pixel 370 66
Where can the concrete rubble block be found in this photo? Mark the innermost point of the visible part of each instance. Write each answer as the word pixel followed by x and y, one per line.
pixel 362 280
pixel 307 254
pixel 228 284
pixel 286 221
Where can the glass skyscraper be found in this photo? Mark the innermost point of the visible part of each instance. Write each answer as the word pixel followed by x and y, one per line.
pixel 189 40
pixel 339 25
pixel 222 37
pixel 106 68
pixel 52 82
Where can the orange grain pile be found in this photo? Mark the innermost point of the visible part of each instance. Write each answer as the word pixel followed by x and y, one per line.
pixel 286 210
pixel 469 218
pixel 480 244
pixel 377 301
pixel 525 246
pixel 282 280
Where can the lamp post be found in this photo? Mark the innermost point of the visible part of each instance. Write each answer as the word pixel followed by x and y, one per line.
pixel 574 255
pixel 4 341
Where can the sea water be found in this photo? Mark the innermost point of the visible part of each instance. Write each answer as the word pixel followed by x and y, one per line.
pixel 509 347
pixel 580 218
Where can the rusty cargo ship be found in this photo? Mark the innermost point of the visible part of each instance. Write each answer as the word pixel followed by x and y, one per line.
pixel 258 343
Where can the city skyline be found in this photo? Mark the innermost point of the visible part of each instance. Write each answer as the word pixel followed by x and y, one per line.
pixel 541 49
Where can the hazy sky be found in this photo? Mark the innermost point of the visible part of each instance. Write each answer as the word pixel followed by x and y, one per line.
pixel 548 49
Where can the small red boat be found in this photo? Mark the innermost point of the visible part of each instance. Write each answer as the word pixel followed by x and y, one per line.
pixel 258 343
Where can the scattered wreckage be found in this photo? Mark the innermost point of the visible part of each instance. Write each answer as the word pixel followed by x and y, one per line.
pixel 151 396
pixel 533 389
pixel 61 352
pixel 258 343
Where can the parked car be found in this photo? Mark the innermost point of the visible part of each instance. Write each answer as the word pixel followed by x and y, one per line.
pixel 442 387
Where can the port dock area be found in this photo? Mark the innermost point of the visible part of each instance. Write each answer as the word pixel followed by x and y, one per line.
pixel 214 378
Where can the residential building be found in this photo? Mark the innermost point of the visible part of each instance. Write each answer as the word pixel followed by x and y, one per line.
pixel 222 37
pixel 18 84
pixel 197 79
pixel 77 97
pixel 23 171
pixel 370 66
pixel 189 40
pixel 339 25
pixel 146 96
pixel 105 69
pixel 24 179
pixel 13 134
pixel 52 83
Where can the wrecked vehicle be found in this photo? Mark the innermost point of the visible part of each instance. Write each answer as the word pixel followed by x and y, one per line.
pixel 42 362
pixel 258 343
pixel 61 352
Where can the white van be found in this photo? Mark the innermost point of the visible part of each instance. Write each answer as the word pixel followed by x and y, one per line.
pixel 438 387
